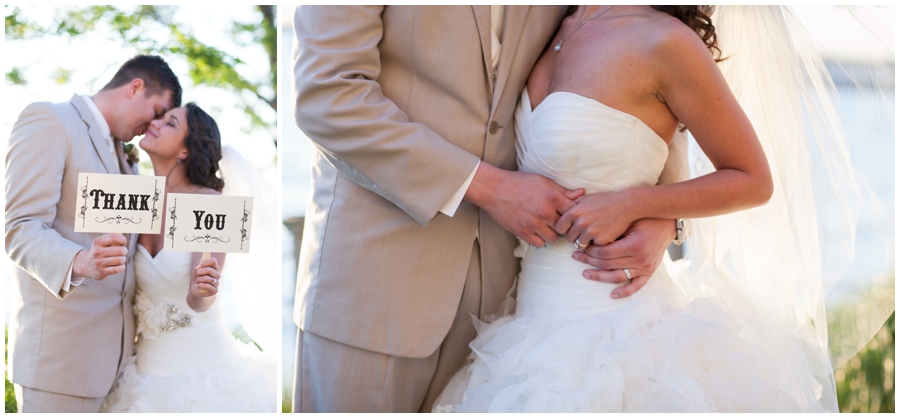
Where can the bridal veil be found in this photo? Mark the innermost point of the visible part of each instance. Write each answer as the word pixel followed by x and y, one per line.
pixel 255 275
pixel 800 260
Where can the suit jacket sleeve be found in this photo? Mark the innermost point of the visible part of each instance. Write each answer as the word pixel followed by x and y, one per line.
pixel 341 108
pixel 35 164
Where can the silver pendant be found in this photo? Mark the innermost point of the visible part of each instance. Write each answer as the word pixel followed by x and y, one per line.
pixel 557 47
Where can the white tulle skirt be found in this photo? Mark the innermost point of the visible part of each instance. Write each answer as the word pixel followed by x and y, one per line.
pixel 200 368
pixel 570 348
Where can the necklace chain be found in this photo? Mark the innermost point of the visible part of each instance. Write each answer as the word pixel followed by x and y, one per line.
pixel 560 44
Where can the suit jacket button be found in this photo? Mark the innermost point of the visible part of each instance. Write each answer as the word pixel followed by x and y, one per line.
pixel 494 127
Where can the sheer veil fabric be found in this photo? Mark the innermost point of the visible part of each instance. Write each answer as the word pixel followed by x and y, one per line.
pixel 798 257
pixel 254 275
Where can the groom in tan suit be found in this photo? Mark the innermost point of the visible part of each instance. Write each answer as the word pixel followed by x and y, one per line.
pixel 72 325
pixel 416 203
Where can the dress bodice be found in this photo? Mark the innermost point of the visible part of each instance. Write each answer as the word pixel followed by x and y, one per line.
pixel 166 279
pixel 578 142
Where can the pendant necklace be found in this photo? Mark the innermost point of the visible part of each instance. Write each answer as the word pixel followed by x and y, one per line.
pixel 560 44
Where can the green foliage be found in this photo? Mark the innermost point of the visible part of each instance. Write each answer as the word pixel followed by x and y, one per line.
pixel 151 30
pixel 866 382
pixel 61 75
pixel 14 76
pixel 10 396
pixel 15 27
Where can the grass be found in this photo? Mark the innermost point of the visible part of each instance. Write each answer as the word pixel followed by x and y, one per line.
pixel 10 396
pixel 866 382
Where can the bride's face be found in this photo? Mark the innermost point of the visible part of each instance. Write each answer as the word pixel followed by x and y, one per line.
pixel 164 138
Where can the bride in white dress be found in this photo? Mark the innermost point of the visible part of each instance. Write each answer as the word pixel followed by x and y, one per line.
pixel 186 358
pixel 735 328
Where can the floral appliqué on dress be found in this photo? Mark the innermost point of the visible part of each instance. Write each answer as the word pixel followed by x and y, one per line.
pixel 155 318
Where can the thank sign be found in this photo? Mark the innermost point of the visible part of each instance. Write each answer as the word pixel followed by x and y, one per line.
pixel 119 203
pixel 208 223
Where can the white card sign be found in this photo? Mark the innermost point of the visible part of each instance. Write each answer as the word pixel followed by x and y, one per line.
pixel 208 223
pixel 119 203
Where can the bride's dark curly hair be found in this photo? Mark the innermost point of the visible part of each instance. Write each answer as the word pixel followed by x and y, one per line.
pixel 204 149
pixel 698 19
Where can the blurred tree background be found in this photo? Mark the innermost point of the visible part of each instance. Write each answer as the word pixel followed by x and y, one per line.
pixel 866 382
pixel 162 30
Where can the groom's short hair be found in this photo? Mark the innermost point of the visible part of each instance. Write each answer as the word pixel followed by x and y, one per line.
pixel 157 76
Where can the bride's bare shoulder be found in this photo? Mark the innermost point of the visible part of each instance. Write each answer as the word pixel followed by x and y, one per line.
pixel 668 38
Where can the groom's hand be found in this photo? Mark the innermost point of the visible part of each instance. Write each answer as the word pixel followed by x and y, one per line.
pixel 106 257
pixel 527 205
pixel 640 250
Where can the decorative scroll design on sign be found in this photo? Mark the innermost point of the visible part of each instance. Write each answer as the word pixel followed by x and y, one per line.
pixel 207 238
pixel 84 193
pixel 119 219
pixel 244 219
pixel 172 216
pixel 155 212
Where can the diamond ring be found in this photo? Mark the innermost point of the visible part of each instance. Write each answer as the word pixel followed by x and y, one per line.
pixel 213 282
pixel 627 273
pixel 579 245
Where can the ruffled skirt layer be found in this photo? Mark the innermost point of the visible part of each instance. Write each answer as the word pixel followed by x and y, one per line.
pixel 652 352
pixel 244 382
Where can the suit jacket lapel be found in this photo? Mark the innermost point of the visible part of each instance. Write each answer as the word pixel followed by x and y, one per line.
pixel 514 24
pixel 99 142
pixel 483 21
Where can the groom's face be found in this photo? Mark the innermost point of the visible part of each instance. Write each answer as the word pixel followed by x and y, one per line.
pixel 138 111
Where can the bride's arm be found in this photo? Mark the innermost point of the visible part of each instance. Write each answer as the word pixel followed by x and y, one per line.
pixel 205 277
pixel 696 92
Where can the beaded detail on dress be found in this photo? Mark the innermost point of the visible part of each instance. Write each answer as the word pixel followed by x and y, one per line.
pixel 154 318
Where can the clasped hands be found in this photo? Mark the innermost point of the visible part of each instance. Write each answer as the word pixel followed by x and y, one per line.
pixel 538 211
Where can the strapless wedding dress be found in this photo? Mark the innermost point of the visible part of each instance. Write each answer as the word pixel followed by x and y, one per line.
pixel 186 361
pixel 570 347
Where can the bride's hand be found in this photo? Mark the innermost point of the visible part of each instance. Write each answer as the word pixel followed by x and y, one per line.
pixel 641 251
pixel 206 280
pixel 600 217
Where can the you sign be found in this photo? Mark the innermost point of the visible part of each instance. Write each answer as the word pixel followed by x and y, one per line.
pixel 208 223
pixel 119 203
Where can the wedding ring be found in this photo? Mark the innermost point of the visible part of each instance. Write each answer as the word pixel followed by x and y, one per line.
pixel 579 245
pixel 213 282
pixel 627 273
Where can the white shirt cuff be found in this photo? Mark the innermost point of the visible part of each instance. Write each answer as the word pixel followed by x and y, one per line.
pixel 450 207
pixel 71 281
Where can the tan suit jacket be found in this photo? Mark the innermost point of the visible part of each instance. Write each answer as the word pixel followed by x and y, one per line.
pixel 73 342
pixel 401 104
